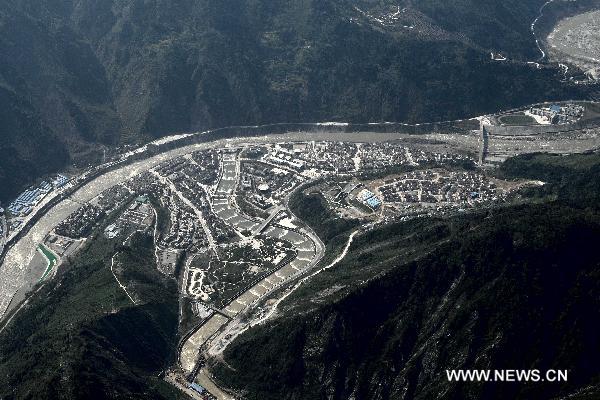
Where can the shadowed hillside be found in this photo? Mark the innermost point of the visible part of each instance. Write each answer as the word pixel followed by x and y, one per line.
pixel 80 337
pixel 123 71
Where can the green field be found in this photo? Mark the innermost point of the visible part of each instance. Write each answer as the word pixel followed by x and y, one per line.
pixel 517 120
pixel 52 260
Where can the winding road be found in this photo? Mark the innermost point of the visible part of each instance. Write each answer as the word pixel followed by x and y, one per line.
pixel 534 23
pixel 217 332
pixel 14 272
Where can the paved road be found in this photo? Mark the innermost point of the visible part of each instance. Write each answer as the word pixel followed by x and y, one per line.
pixel 218 333
pixel 211 240
pixel 273 214
pixel 14 273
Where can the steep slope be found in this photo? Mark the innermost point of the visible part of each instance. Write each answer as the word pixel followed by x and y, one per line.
pixel 27 146
pixel 81 338
pixel 499 26
pixel 53 95
pixel 131 70
pixel 513 288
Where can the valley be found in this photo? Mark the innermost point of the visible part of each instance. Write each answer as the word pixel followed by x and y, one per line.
pixel 222 214
pixel 173 226
pixel 119 74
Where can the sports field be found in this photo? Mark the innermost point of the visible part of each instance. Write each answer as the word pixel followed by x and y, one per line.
pixel 516 120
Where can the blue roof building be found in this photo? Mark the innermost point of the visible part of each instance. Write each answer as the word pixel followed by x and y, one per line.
pixel 374 202
pixel 369 198
pixel 45 187
pixel 197 388
pixel 365 194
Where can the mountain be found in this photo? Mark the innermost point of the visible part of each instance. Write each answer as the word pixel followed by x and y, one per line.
pixel 75 74
pixel 81 338
pixel 508 288
pixel 489 25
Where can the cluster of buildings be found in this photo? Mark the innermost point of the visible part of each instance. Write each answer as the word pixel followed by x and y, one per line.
pixel 183 226
pixel 349 199
pixel 208 161
pixel 113 197
pixel 60 181
pixel 183 231
pixel 27 200
pixel 138 215
pixel 264 185
pixel 559 114
pixel 190 178
pixel 201 391
pixel 346 157
pixel 378 156
pixel 171 168
pixel 431 186
pixel 81 222
pixel 60 245
pixel 188 181
pixel 264 181
pixel 222 231
pixel 143 183
pixel 333 156
pixel 201 167
pixel 288 158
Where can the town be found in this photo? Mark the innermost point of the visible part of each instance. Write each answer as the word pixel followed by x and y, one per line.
pixel 222 215
pixel 220 220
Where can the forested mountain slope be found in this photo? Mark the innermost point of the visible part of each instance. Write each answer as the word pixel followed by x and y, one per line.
pixel 74 73
pixel 81 338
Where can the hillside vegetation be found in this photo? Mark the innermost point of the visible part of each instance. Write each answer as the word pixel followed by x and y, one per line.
pixel 76 73
pixel 513 287
pixel 80 337
pixel 509 288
